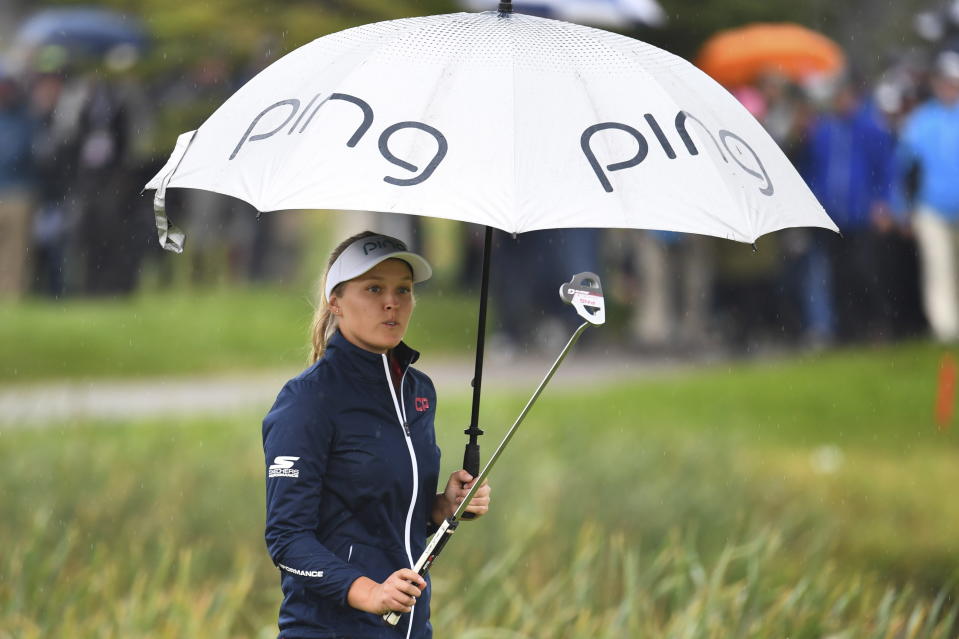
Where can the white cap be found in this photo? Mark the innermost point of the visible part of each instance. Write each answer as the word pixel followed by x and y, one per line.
pixel 367 252
pixel 947 65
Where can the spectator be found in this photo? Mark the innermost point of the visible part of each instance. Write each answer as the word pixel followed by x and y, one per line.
pixel 850 169
pixel 930 138
pixel 54 155
pixel 113 238
pixel 529 313
pixel 674 272
pixel 15 194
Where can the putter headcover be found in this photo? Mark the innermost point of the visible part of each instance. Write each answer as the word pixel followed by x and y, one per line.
pixel 585 293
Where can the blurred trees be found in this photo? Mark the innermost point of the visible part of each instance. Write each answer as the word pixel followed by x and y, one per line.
pixel 204 49
pixel 869 31
pixel 246 35
pixel 186 29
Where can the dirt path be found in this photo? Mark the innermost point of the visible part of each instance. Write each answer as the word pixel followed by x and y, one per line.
pixel 58 402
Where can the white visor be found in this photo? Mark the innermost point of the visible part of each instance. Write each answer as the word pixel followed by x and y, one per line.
pixel 367 252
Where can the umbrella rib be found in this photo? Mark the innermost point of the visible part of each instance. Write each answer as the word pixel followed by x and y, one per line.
pixel 597 117
pixel 687 68
pixel 392 39
pixel 514 192
pixel 632 54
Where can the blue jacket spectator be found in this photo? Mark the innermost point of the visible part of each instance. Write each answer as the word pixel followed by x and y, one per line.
pixel 930 137
pixel 850 165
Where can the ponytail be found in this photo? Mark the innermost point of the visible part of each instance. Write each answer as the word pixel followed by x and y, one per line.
pixel 321 330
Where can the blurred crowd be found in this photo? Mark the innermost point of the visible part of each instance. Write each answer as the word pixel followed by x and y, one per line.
pixel 82 135
pixel 883 160
pixel 881 156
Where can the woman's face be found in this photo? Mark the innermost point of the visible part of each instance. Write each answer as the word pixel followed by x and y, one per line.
pixel 374 309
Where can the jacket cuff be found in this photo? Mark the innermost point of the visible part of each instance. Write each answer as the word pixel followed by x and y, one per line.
pixel 349 579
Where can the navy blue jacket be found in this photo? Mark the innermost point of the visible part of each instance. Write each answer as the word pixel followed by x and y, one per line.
pixel 349 488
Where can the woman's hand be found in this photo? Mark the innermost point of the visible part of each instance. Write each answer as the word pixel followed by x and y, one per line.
pixel 449 500
pixel 397 594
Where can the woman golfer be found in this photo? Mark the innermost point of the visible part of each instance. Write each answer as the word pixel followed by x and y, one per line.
pixel 351 456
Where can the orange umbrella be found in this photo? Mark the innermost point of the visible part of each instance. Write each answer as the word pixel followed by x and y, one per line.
pixel 738 56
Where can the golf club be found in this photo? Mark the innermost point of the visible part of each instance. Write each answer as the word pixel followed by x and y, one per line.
pixel 585 293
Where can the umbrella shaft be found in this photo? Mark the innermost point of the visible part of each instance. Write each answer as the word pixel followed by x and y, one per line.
pixel 474 431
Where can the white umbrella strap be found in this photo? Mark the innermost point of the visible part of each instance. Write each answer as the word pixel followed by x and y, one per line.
pixel 171 237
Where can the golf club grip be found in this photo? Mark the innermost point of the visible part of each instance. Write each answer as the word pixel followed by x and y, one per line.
pixel 392 618
pixel 471 464
pixel 432 551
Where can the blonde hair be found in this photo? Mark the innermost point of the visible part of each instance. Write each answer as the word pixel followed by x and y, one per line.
pixel 324 322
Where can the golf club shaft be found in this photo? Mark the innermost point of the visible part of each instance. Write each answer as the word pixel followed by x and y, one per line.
pixel 448 527
pixel 512 430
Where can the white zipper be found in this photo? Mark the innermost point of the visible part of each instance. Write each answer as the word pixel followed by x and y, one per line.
pixel 400 408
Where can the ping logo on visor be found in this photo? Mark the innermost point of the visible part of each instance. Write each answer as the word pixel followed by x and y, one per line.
pixel 377 243
pixel 366 252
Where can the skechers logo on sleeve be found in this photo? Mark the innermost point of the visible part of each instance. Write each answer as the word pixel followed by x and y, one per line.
pixel 302 573
pixel 283 467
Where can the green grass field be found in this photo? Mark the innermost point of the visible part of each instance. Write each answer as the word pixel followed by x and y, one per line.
pixel 174 333
pixel 810 498
pixel 216 329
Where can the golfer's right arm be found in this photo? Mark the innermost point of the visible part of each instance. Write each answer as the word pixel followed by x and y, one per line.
pixel 297 438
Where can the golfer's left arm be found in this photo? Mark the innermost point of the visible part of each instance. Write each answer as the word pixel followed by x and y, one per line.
pixel 457 487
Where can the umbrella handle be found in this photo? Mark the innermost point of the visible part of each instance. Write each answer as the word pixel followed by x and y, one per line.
pixel 471 464
pixel 471 459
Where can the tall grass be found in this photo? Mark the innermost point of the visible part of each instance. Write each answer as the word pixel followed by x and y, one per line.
pixel 608 587
pixel 609 520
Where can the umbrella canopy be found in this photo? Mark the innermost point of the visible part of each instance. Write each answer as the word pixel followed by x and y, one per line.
pixel 738 56
pixel 501 119
pixel 506 120
pixel 86 30
pixel 602 13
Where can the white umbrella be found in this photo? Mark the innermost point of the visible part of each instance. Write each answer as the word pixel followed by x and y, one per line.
pixel 514 122
pixel 500 119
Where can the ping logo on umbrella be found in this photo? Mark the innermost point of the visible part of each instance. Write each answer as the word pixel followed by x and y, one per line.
pixel 738 149
pixel 293 106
